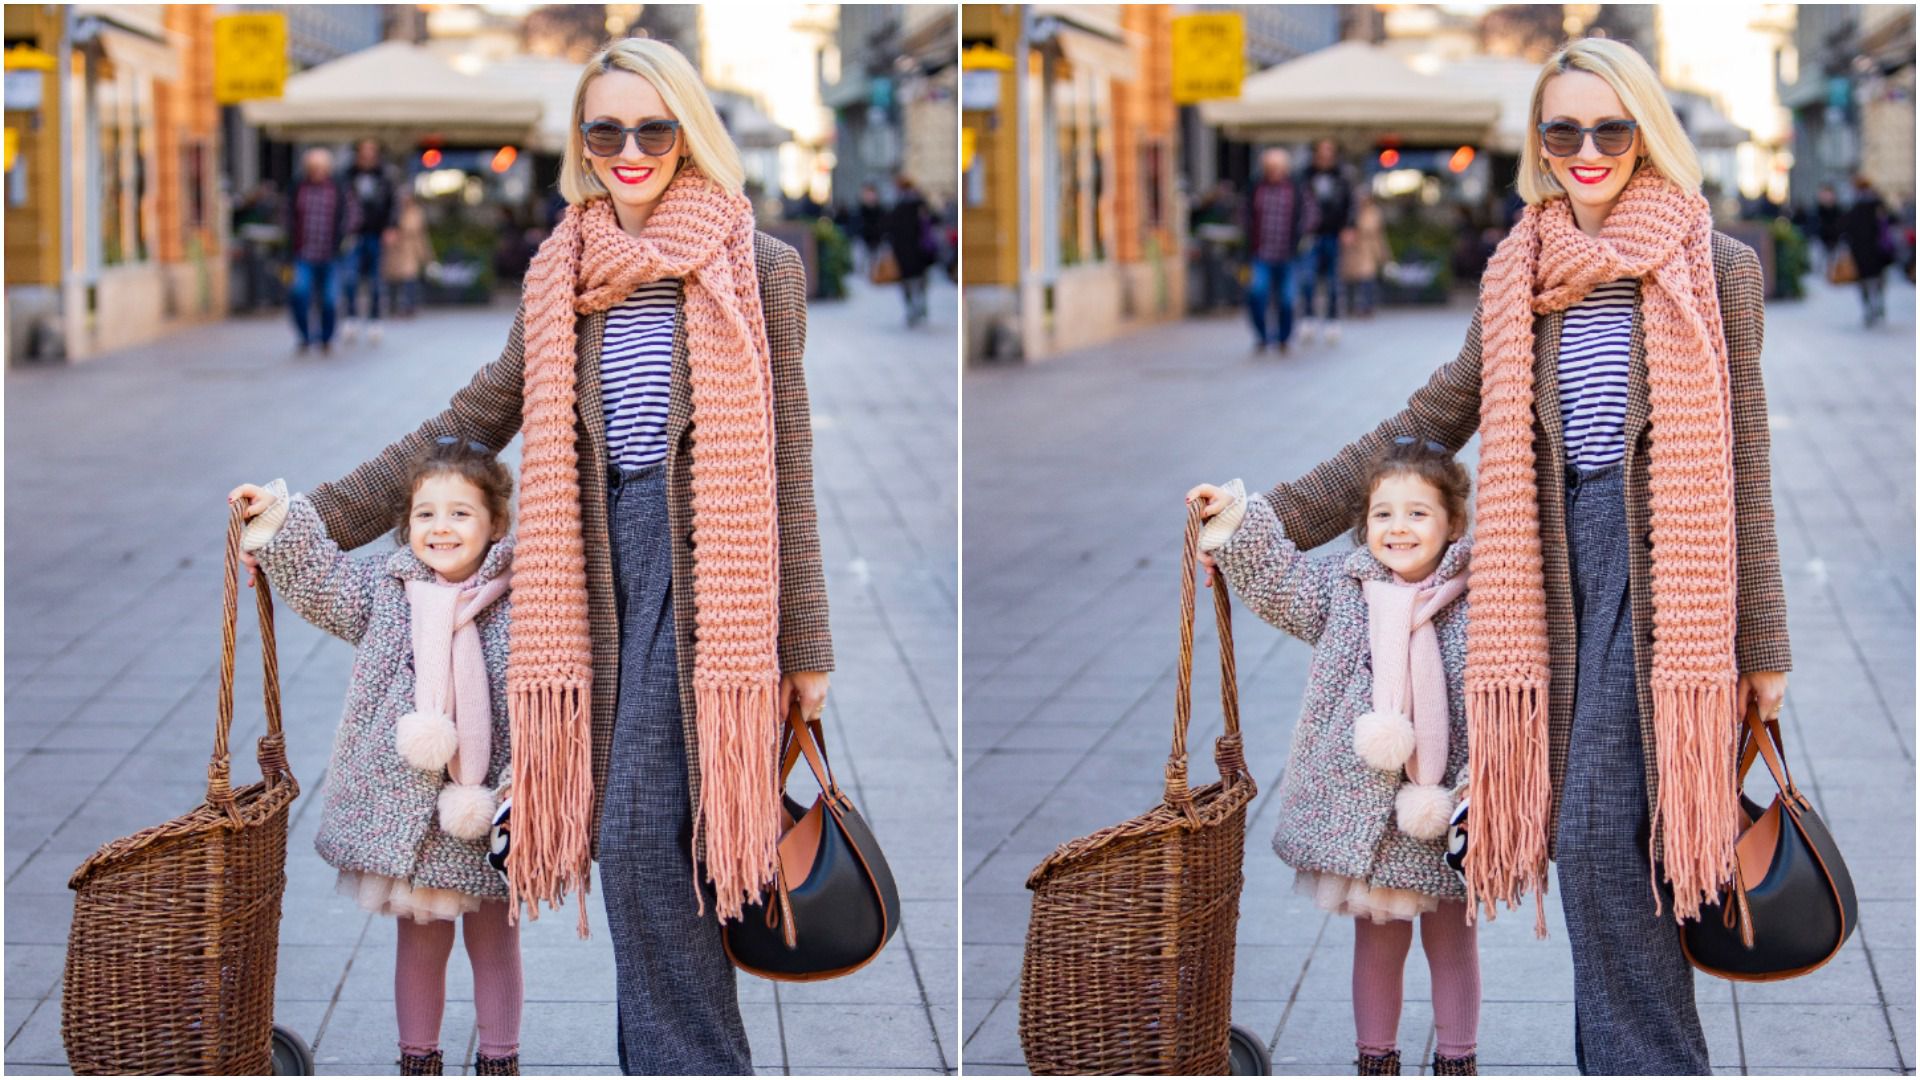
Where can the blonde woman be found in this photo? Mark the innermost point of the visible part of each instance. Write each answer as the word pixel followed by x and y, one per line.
pixel 1626 596
pixel 655 370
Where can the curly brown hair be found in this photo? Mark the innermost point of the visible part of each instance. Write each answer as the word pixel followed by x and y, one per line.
pixel 1420 457
pixel 466 459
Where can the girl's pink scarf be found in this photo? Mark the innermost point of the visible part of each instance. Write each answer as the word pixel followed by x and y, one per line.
pixel 450 669
pixel 1663 237
pixel 703 235
pixel 1409 677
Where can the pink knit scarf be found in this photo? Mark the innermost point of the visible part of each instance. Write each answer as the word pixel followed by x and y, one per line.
pixel 450 669
pixel 1663 237
pixel 704 236
pixel 1409 676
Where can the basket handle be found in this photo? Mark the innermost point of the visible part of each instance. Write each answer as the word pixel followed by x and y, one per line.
pixel 272 752
pixel 1227 750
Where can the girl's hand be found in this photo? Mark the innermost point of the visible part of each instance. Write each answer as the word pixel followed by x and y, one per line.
pixel 1216 499
pixel 1766 688
pixel 257 500
pixel 809 688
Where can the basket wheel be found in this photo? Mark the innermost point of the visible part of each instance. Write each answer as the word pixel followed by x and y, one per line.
pixel 291 1056
pixel 1247 1053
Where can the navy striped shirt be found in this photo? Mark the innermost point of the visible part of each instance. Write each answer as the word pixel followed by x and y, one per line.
pixel 1594 342
pixel 636 373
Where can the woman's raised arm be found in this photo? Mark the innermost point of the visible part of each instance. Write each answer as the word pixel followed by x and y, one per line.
pixel 359 506
pixel 1319 506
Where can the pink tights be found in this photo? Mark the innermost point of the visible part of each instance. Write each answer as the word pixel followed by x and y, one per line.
pixel 420 980
pixel 1453 960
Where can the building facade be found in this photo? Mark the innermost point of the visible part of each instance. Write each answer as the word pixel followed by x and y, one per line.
pixel 115 215
pixel 889 78
pixel 1072 220
pixel 1848 78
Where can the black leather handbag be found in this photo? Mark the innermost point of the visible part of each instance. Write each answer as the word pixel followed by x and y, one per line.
pixel 833 905
pixel 1790 905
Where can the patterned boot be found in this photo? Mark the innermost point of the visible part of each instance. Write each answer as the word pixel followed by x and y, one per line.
pixel 1387 1064
pixel 1452 1066
pixel 420 1064
pixel 496 1066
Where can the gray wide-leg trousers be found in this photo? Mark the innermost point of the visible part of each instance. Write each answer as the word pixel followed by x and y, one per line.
pixel 679 1011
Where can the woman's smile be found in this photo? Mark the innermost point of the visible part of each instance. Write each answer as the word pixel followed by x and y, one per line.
pixel 633 174
pixel 1590 174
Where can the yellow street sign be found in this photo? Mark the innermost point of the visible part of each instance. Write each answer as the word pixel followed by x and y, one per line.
pixel 981 56
pixel 249 57
pixel 1209 57
pixel 24 57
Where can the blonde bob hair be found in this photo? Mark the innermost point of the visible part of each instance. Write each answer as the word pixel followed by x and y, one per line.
pixel 1662 140
pixel 703 138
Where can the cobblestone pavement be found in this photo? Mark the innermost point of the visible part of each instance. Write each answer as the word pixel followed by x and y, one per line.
pixel 1074 472
pixel 116 472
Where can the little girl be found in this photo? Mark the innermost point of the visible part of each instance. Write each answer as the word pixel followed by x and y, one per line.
pixel 411 791
pixel 1382 737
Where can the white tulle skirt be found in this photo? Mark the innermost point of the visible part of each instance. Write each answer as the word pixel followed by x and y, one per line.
pixel 1343 895
pixel 383 895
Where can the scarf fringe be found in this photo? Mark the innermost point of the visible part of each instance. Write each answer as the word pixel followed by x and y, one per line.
pixel 1698 791
pixel 552 795
pixel 740 791
pixel 1507 855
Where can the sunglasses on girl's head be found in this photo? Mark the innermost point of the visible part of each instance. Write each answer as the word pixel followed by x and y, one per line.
pixel 1563 138
pixel 1408 440
pixel 605 138
pixel 476 447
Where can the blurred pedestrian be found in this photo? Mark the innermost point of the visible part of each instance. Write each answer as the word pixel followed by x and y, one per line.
pixel 1868 234
pixel 319 217
pixel 1363 252
pixel 1596 737
pixel 647 287
pixel 372 184
pixel 407 256
pixel 1332 192
pixel 870 225
pixel 1214 225
pixel 909 235
pixel 1279 215
pixel 1826 220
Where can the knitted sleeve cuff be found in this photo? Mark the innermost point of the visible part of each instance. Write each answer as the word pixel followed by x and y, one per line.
pixel 262 529
pixel 1220 527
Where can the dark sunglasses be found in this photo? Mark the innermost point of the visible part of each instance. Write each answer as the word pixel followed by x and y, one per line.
pixel 1564 138
pixel 1408 440
pixel 605 138
pixel 476 447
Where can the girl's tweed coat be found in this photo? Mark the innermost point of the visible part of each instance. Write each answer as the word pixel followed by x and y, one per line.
pixel 357 507
pixel 1336 811
pixel 382 814
pixel 1318 506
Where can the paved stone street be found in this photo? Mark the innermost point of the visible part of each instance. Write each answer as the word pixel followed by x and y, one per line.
pixel 116 473
pixel 1074 473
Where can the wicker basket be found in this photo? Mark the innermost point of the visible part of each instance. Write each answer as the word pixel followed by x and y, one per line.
pixel 1129 958
pixel 170 961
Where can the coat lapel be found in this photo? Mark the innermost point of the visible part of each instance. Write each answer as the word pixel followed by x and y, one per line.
pixel 1639 403
pixel 680 393
pixel 1546 386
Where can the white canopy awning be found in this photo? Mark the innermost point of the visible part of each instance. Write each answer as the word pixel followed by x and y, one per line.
pixel 400 92
pixel 1354 90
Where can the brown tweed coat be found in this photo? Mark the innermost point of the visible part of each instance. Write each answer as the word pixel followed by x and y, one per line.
pixel 359 506
pixel 1318 506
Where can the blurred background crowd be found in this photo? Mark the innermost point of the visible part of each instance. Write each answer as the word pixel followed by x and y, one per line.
pixel 155 155
pixel 1112 154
